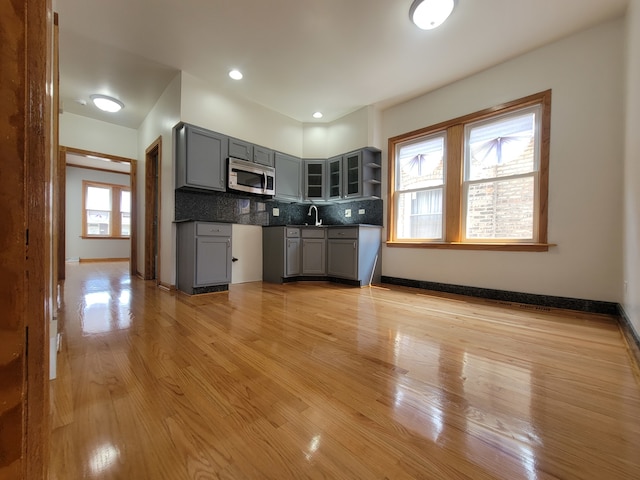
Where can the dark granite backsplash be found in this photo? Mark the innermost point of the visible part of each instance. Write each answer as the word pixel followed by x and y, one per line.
pixel 254 210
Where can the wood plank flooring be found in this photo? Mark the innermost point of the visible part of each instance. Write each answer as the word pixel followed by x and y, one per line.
pixel 324 381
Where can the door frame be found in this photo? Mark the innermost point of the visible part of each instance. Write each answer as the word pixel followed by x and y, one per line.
pixel 152 191
pixel 62 175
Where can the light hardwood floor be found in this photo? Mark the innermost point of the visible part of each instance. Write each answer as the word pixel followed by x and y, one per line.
pixel 317 380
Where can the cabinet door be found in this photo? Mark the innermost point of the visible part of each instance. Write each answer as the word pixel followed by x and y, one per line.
pixel 213 260
pixel 201 158
pixel 240 149
pixel 334 178
pixel 293 257
pixel 342 258
pixel 288 175
pixel 263 156
pixel 314 179
pixel 352 175
pixel 313 256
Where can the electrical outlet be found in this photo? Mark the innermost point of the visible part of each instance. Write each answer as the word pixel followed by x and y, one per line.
pixel 276 212
pixel 347 213
pixel 361 211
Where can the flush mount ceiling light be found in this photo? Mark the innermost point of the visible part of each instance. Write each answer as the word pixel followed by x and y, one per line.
pixel 235 74
pixel 317 115
pixel 106 103
pixel 428 14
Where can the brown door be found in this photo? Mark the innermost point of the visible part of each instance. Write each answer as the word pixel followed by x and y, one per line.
pixel 25 241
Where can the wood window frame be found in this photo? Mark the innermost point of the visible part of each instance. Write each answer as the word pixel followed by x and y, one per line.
pixel 453 215
pixel 114 217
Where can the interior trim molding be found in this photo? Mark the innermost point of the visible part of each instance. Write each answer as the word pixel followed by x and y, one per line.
pixel 631 337
pixel 566 303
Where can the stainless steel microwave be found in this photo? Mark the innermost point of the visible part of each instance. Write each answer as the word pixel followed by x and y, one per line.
pixel 250 177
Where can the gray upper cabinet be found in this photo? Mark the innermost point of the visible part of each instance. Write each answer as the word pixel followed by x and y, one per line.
pixel 200 158
pixel 288 177
pixel 240 149
pixel 334 178
pixel 263 156
pixel 314 179
pixel 352 175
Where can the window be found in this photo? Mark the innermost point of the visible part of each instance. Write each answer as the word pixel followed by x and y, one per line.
pixel 477 182
pixel 106 210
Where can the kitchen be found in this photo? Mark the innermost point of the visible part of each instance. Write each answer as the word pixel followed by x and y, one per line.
pixel 224 179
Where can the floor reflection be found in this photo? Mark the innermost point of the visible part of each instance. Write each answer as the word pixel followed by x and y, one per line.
pixel 106 305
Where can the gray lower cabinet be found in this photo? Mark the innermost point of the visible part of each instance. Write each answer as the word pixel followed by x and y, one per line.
pixel 314 247
pixel 353 253
pixel 201 157
pixel 204 256
pixel 281 253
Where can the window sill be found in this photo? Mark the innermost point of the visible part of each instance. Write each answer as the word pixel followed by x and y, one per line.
pixel 103 237
pixel 493 246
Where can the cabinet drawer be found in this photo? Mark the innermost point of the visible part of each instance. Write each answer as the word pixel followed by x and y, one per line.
pixel 293 233
pixel 343 232
pixel 315 232
pixel 213 229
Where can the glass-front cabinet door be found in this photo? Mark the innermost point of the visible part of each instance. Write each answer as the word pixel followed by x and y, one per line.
pixel 352 175
pixel 334 178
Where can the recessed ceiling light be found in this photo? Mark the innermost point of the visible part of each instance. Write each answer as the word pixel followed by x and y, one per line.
pixel 235 74
pixel 428 14
pixel 317 115
pixel 106 103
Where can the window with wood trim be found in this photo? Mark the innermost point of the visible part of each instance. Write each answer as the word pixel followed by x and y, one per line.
pixel 474 182
pixel 106 210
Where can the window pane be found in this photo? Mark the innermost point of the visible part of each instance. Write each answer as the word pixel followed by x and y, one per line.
pixel 419 215
pixel 98 222
pixel 501 147
pixel 501 209
pixel 421 163
pixel 125 201
pixel 98 198
pixel 125 222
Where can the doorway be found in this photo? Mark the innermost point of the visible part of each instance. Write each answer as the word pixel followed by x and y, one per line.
pixel 152 211
pixel 102 163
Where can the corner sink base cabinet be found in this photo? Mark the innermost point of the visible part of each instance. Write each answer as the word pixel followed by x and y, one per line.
pixel 343 254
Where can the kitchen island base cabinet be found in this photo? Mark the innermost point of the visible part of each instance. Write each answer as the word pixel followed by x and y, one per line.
pixel 204 257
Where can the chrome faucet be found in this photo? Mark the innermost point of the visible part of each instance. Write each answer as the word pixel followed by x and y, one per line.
pixel 313 207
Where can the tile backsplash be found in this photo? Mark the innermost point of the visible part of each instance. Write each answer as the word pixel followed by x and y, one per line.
pixel 254 210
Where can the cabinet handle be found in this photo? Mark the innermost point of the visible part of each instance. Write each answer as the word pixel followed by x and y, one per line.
pixel 354 245
pixel 340 233
pixel 228 242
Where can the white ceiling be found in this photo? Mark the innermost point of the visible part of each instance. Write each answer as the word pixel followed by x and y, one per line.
pixel 298 56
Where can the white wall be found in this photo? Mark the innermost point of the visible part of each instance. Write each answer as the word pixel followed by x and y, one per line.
pixel 160 121
pixel 356 130
pixel 223 112
pixel 76 247
pixel 631 300
pixel 585 72
pixel 88 134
